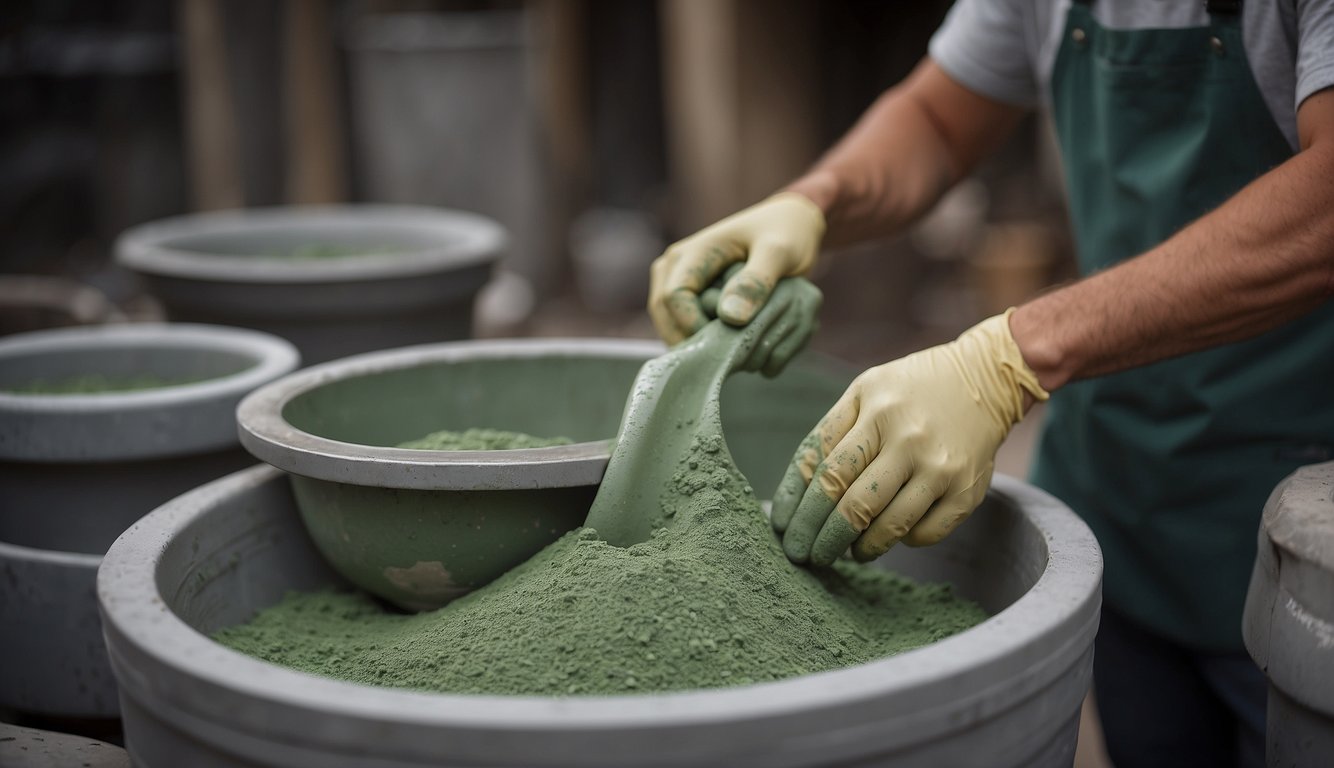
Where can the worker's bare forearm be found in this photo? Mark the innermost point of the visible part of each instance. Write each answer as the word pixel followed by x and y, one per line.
pixel 1263 258
pixel 912 145
pixel 888 170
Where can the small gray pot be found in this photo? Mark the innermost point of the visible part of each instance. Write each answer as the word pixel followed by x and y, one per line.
pixel 1288 625
pixel 414 283
pixel 76 470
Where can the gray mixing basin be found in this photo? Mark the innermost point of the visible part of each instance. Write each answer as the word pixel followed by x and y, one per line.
pixel 1005 693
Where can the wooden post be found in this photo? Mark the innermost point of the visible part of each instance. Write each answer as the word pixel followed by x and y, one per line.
pixel 210 116
pixel 563 97
pixel 741 101
pixel 316 167
pixel 564 107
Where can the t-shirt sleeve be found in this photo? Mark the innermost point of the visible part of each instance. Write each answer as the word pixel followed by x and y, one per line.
pixel 982 44
pixel 1315 47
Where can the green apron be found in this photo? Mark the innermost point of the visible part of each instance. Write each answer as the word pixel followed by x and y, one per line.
pixel 1171 463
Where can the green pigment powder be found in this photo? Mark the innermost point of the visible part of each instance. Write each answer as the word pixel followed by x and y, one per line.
pixel 316 251
pixel 481 440
pixel 96 383
pixel 710 602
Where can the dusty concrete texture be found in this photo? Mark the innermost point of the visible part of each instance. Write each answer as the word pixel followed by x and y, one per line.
pixel 32 748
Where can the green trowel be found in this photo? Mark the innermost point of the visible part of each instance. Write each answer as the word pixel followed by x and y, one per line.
pixel 673 406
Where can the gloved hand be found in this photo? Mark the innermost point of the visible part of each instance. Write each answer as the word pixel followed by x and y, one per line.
pixel 908 451
pixel 778 237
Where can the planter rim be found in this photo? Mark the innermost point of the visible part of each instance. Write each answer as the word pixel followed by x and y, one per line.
pixel 272 357
pixel 1298 520
pixel 57 557
pixel 271 438
pixel 1065 598
pixel 472 240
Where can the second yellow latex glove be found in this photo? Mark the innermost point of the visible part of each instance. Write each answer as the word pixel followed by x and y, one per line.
pixel 776 238
pixel 907 453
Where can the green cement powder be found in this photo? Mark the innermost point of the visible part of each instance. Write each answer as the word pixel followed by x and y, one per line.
pixel 711 601
pixel 319 251
pixel 481 440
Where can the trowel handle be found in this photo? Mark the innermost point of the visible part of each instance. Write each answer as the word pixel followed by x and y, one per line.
pixel 780 330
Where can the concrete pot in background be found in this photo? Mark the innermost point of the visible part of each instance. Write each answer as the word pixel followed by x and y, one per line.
pixel 76 470
pixel 444 113
pixel 405 274
pixel 1288 625
pixel 38 302
pixel 1004 693
pixel 393 520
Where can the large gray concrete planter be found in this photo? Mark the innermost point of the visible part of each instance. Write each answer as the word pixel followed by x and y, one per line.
pixel 1289 620
pixel 1005 693
pixel 422 527
pixel 415 282
pixel 77 470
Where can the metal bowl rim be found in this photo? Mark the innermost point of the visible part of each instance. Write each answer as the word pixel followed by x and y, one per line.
pixel 267 434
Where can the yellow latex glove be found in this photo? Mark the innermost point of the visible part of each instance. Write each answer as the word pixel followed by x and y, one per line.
pixel 908 451
pixel 777 237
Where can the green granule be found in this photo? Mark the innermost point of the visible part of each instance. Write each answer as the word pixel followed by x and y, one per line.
pixel 711 601
pixel 310 251
pixel 96 383
pixel 481 440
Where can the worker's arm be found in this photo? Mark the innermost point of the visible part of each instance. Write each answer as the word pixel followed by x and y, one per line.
pixel 915 142
pixel 908 452
pixel 1264 257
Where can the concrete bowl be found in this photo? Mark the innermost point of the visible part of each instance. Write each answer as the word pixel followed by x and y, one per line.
pixel 76 470
pixel 415 282
pixel 1005 693
pixel 420 528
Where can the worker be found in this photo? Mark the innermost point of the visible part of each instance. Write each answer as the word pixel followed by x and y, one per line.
pixel 1189 370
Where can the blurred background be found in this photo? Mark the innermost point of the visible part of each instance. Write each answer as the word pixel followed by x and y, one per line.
pixel 594 131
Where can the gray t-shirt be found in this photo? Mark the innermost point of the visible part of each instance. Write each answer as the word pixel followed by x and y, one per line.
pixel 1005 49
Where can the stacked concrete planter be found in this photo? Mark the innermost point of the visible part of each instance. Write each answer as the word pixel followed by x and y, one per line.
pixel 1005 693
pixel 404 275
pixel 77 469
pixel 1289 619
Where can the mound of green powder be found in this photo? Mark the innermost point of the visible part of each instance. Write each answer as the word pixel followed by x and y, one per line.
pixel 710 601
pixel 96 383
pixel 315 251
pixel 481 440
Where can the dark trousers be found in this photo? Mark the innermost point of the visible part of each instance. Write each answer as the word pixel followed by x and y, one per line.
pixel 1163 704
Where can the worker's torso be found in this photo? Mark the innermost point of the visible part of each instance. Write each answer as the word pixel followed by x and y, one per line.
pixel 1011 46
pixel 1171 463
